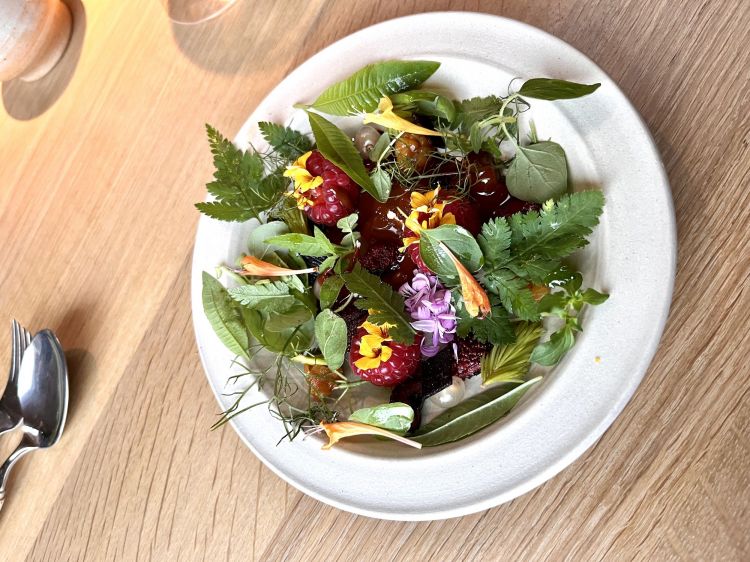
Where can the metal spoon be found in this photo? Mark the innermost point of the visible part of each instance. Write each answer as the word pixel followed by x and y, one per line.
pixel 43 395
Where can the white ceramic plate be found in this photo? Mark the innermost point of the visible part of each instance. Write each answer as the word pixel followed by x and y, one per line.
pixel 632 256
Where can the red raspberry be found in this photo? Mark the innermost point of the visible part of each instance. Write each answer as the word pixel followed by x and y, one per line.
pixel 466 213
pixel 337 196
pixel 470 353
pixel 402 364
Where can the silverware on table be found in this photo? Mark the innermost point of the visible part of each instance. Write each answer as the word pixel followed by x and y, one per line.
pixel 43 398
pixel 10 409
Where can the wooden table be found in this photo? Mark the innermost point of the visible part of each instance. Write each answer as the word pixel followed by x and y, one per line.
pixel 100 164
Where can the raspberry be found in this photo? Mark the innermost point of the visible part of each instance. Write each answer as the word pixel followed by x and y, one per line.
pixel 380 257
pixel 335 198
pixel 353 317
pixel 413 151
pixel 403 362
pixel 470 353
pixel 466 213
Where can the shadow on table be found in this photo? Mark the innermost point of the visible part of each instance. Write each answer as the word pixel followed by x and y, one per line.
pixel 26 100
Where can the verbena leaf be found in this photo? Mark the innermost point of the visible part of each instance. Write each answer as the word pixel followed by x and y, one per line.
pixel 396 416
pixel 388 305
pixel 269 296
pixel 551 89
pixel 472 414
pixel 285 141
pixel 510 362
pixel 550 352
pixel 538 172
pixel 225 316
pixel 329 290
pixel 339 149
pixel 330 331
pixel 362 91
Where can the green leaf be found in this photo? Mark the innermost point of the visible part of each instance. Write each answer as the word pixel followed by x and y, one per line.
pixel 348 223
pixel 330 331
pixel 339 149
pixel 329 290
pixel 426 103
pixel 550 352
pixel 513 293
pixel 286 142
pixel 264 295
pixel 381 180
pixel 551 89
pixel 225 316
pixel 315 246
pixel 257 242
pixel 225 211
pixel 591 296
pixel 396 416
pixel 388 305
pixel 473 110
pixel 510 362
pixel 495 328
pixel 362 91
pixel 460 242
pixel 494 241
pixel 472 414
pixel 288 338
pixel 381 146
pixel 538 172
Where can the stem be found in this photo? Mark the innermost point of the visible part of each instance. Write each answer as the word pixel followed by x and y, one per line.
pixel 502 114
pixel 305 360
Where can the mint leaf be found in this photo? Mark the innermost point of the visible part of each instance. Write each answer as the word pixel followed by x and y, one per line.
pixel 362 91
pixel 286 142
pixel 271 296
pixel 538 172
pixel 337 147
pixel 330 331
pixel 387 305
pixel 551 89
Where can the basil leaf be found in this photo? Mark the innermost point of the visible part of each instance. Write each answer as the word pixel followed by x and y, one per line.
pixel 269 296
pixel 362 91
pixel 551 89
pixel 460 242
pixel 382 182
pixel 330 331
pixel 472 414
pixel 396 416
pixel 550 352
pixel 539 172
pixel 329 290
pixel 225 316
pixel 339 149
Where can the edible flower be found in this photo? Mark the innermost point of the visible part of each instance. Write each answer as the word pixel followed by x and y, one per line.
pixel 388 119
pixel 304 181
pixel 254 266
pixel 429 304
pixel 373 346
pixel 426 213
pixel 339 430
pixel 475 298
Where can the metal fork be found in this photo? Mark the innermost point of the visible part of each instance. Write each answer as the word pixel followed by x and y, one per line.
pixel 10 409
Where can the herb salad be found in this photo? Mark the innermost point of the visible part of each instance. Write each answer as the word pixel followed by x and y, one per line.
pixel 421 251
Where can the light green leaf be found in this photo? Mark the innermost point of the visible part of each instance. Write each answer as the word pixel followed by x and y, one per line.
pixel 337 147
pixel 381 146
pixel 551 89
pixel 348 223
pixel 538 172
pixel 225 316
pixel 362 91
pixel 257 243
pixel 329 290
pixel 550 352
pixel 330 331
pixel 396 416
pixel 425 103
pixel 382 182
pixel 510 362
pixel 264 295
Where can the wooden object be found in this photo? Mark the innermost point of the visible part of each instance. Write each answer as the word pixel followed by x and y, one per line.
pixel 97 224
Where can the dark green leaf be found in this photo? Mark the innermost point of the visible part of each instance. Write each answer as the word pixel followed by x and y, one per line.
pixel 225 316
pixel 339 149
pixel 590 296
pixel 330 331
pixel 362 91
pixel 225 211
pixel 292 332
pixel 551 89
pixel 549 353
pixel 472 414
pixel 396 416
pixel 330 289
pixel 382 182
pixel 426 103
pixel 495 328
pixel 460 242
pixel 285 141
pixel 538 172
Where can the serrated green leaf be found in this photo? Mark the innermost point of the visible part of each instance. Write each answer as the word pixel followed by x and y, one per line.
pixel 265 295
pixel 538 172
pixel 225 316
pixel 381 180
pixel 225 211
pixel 473 110
pixel 339 149
pixel 330 332
pixel 348 223
pixel 285 141
pixel 593 297
pixel 362 91
pixel 395 416
pixel 551 89
pixel 494 241
pixel 329 290
pixel 315 246
pixel 388 305
pixel 496 328
pixel 513 292
pixel 472 414
pixel 510 362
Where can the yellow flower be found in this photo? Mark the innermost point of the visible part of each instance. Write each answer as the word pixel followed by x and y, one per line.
pixel 425 204
pixel 303 180
pixel 388 119
pixel 373 346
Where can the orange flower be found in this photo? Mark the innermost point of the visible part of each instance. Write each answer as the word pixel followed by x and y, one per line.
pixel 475 298
pixel 304 181
pixel 373 346
pixel 339 430
pixel 253 266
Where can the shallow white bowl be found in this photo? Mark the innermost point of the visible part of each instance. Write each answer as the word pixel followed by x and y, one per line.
pixel 632 256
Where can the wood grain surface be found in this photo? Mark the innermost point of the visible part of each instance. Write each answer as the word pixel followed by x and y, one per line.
pixel 100 163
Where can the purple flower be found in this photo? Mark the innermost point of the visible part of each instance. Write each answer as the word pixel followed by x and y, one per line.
pixel 429 304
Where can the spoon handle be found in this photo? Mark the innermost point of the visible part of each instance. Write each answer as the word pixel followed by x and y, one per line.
pixel 25 446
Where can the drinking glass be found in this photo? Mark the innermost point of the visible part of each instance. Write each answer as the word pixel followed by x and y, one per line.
pixel 195 11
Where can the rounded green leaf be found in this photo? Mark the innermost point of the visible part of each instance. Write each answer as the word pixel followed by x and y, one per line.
pixel 539 172
pixel 396 416
pixel 330 331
